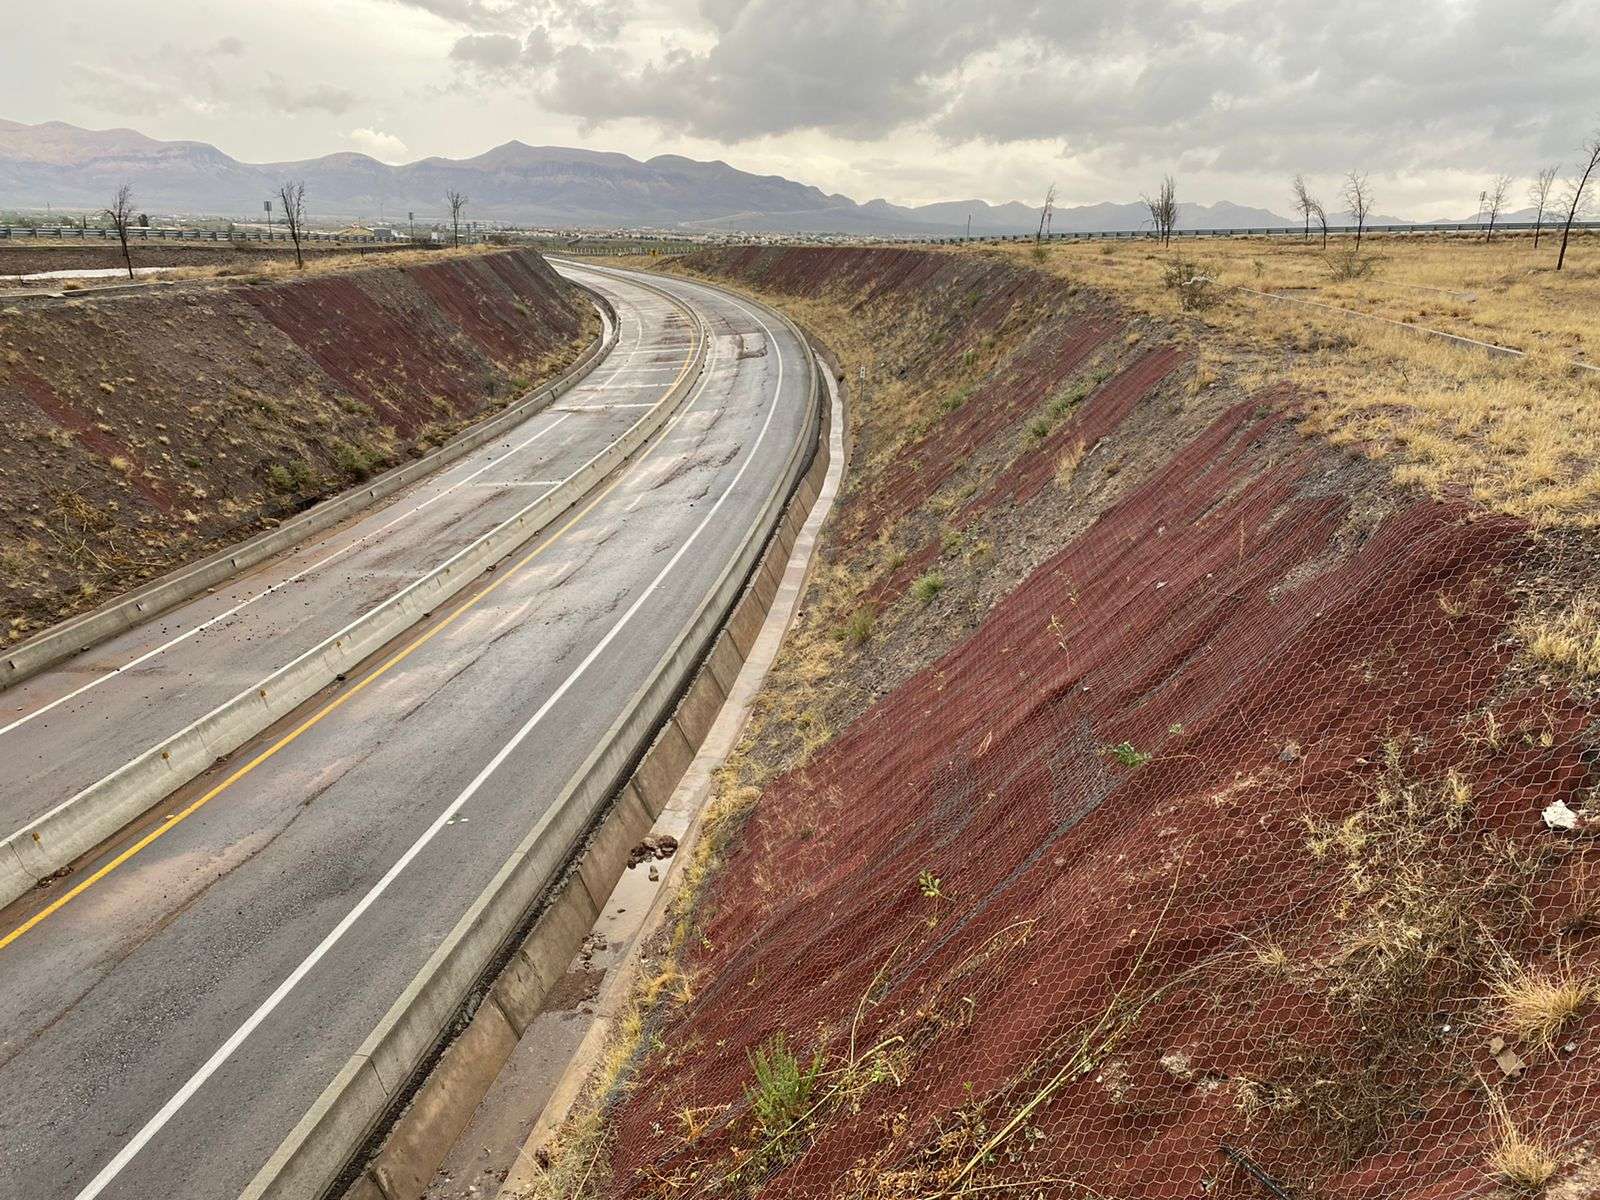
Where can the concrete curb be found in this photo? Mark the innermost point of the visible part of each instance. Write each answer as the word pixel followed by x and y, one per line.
pixel 86 631
pixel 486 979
pixel 80 823
pixel 681 816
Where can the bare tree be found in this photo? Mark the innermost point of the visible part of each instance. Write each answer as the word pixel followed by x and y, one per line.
pixel 121 217
pixel 1303 203
pixel 1358 199
pixel 1576 189
pixel 1495 202
pixel 1539 197
pixel 292 194
pixel 1045 214
pixel 1164 209
pixel 457 201
pixel 1320 215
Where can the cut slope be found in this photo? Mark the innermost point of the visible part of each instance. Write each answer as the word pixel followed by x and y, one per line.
pixel 1185 839
pixel 153 429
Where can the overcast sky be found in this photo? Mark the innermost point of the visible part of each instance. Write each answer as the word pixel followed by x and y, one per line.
pixel 913 100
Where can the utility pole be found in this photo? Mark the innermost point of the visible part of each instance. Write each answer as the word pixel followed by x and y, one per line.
pixel 266 206
pixel 412 217
pixel 969 227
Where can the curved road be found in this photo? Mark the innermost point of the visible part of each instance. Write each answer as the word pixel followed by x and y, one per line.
pixel 164 1030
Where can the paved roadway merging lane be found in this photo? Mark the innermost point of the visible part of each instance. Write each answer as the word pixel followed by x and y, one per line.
pixel 163 1031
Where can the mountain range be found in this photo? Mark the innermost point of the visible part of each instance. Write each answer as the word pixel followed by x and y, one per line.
pixel 62 165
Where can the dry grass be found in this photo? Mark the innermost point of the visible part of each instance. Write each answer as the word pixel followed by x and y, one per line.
pixel 1520 435
pixel 1537 1004
pixel 1521 1164
pixel 282 266
pixel 1067 464
pixel 1568 639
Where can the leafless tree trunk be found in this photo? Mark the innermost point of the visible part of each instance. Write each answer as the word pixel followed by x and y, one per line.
pixel 1539 197
pixel 458 201
pixel 121 215
pixel 1164 210
pixel 293 196
pixel 1358 198
pixel 1045 214
pixel 1496 193
pixel 1321 216
pixel 1576 191
pixel 1303 203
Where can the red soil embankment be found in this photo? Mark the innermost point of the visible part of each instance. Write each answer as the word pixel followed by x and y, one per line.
pixel 147 431
pixel 1210 864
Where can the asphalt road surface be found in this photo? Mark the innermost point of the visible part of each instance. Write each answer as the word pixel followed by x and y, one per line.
pixel 162 1031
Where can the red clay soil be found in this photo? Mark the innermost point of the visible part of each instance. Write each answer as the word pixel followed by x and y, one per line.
pixel 1188 874
pixel 147 431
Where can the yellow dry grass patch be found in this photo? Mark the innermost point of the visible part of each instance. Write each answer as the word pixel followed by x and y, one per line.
pixel 1522 1164
pixel 1537 1004
pixel 281 265
pixel 1568 639
pixel 1519 435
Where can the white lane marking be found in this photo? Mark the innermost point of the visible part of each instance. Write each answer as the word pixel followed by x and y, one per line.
pixel 224 1052
pixel 574 408
pixel 280 585
pixel 155 651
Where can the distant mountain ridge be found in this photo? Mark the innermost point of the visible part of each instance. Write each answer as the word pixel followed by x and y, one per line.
pixel 70 167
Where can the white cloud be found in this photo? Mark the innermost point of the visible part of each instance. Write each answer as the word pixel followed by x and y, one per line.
pixel 384 147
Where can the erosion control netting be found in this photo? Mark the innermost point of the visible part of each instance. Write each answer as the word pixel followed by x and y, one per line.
pixel 1214 863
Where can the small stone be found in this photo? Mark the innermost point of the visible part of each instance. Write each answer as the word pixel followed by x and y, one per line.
pixel 1559 816
pixel 654 874
pixel 1509 1062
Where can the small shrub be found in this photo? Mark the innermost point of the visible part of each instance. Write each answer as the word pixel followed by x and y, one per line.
pixel 290 477
pixel 359 461
pixel 1038 430
pixel 1349 263
pixel 1192 281
pixel 780 1097
pixel 858 628
pixel 1125 754
pixel 928 586
pixel 956 398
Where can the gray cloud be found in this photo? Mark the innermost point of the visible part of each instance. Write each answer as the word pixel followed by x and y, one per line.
pixel 321 97
pixel 477 14
pixel 1235 87
pixel 599 19
pixel 500 57
pixel 488 52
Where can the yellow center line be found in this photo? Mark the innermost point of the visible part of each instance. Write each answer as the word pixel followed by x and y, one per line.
pixel 315 718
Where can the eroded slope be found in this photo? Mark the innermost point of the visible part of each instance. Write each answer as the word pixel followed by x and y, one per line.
pixel 1149 802
pixel 147 431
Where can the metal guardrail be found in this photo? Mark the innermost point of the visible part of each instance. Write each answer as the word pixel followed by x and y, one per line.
pixel 140 233
pixel 1266 231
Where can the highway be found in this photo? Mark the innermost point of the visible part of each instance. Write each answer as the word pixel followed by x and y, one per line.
pixel 165 1024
